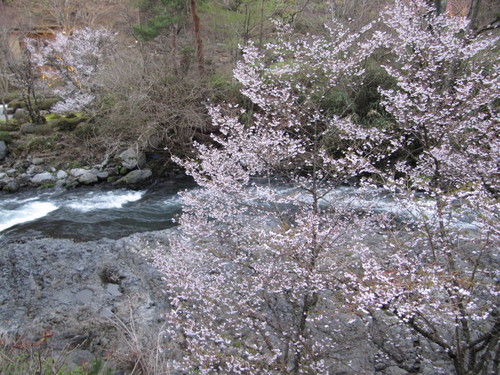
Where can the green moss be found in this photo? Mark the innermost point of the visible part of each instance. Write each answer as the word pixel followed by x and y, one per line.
pixel 10 127
pixel 74 164
pixel 53 116
pixel 5 136
pixel 68 122
pixel 43 129
pixel 43 143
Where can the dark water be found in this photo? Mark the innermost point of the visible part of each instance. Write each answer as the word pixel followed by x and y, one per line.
pixel 93 213
pixel 89 213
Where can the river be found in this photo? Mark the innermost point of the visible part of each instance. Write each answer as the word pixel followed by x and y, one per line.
pixel 85 214
pixel 92 213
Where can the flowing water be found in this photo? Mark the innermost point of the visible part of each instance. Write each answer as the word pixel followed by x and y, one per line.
pixel 88 214
pixel 92 213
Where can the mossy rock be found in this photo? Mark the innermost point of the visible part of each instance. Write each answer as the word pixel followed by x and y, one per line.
pixel 67 123
pixel 43 104
pixel 53 116
pixel 112 179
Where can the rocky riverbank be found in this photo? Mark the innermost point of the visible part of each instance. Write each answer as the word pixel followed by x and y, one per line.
pixel 87 294
pixel 103 299
pixel 125 169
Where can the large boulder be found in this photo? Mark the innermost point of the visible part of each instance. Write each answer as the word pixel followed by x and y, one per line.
pixel 87 178
pixel 135 177
pixel 43 178
pixel 131 159
pixel 3 150
pixel 77 290
pixel 34 169
pixel 77 172
pixel 27 128
pixel 61 175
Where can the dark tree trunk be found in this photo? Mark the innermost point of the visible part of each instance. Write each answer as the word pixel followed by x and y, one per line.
pixel 197 37
pixel 473 14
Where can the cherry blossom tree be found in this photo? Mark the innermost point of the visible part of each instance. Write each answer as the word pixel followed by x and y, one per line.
pixel 69 64
pixel 253 287
pixel 263 273
pixel 438 274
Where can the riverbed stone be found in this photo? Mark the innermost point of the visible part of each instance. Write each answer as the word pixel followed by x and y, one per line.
pixel 12 186
pixel 61 175
pixel 135 177
pixel 87 178
pixel 77 172
pixel 43 178
pixel 102 175
pixel 12 172
pixel 131 159
pixel 4 179
pixel 34 169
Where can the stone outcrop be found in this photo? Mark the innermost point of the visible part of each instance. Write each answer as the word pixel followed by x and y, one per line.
pixel 38 172
pixel 131 159
pixel 81 291
pixel 135 177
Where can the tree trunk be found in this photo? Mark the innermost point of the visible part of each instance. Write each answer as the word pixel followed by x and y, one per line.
pixel 437 4
pixel 197 37
pixel 473 14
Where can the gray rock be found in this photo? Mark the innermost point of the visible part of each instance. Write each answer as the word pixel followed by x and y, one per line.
pixel 87 178
pixel 38 161
pixel 3 150
pixel 12 172
pixel 135 177
pixel 67 286
pixel 102 175
pixel 43 178
pixel 34 169
pixel 61 175
pixel 27 128
pixel 11 186
pixel 131 159
pixel 4 179
pixel 77 172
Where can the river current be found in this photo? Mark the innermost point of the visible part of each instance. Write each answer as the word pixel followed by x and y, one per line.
pixel 85 214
